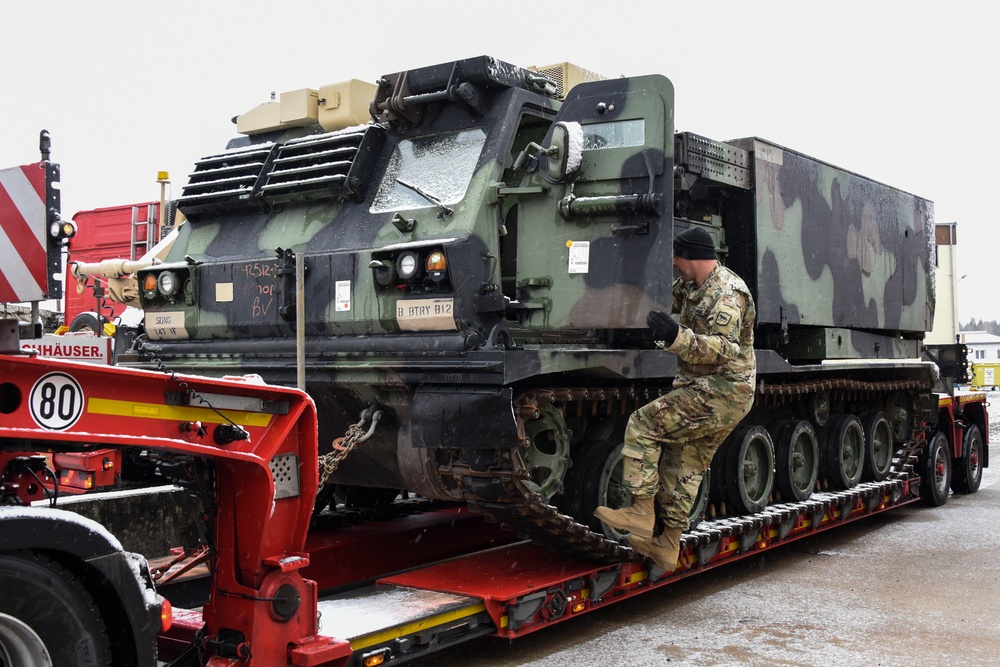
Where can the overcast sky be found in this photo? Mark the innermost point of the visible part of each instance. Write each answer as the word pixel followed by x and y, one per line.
pixel 903 92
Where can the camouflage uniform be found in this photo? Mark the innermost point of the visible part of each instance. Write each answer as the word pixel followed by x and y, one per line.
pixel 713 391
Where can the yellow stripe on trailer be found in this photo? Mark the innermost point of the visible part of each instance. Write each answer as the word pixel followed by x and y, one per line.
pixel 389 634
pixel 117 408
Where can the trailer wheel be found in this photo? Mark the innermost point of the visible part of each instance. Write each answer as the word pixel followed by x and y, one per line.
pixel 47 617
pixel 796 459
pixel 878 447
pixel 936 468
pixel 751 469
pixel 968 470
pixel 845 451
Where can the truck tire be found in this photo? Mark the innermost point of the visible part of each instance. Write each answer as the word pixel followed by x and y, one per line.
pixel 967 471
pixel 47 617
pixel 936 471
pixel 86 322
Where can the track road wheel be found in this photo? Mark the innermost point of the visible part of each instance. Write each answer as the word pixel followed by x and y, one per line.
pixel 570 502
pixel 936 467
pixel 878 447
pixel 47 618
pixel 601 485
pixel 796 460
pixel 968 470
pixel 717 485
pixel 697 512
pixel 899 410
pixel 845 451
pixel 750 469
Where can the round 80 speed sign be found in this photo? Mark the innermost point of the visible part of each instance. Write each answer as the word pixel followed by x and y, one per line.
pixel 56 401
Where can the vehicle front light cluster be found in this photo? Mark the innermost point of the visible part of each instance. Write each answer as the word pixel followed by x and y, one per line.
pixel 167 285
pixel 411 268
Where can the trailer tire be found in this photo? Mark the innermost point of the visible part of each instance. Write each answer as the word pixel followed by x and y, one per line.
pixel 967 471
pixel 936 468
pixel 43 602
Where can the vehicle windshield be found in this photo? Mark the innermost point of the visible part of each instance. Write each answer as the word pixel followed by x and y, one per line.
pixel 429 171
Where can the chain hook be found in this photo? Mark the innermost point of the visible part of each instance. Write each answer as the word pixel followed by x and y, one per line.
pixel 356 434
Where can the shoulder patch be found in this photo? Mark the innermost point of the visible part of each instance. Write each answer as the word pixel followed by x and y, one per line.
pixel 723 319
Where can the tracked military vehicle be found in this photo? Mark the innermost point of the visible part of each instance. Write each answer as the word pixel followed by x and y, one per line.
pixel 460 274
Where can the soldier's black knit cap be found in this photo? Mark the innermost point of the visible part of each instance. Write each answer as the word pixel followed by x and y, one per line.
pixel 694 243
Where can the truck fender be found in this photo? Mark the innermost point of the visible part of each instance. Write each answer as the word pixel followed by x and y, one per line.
pixel 128 596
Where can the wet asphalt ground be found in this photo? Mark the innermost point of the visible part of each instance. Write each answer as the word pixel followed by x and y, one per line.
pixel 912 587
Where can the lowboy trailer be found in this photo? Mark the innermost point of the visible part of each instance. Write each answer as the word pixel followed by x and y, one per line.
pixel 399 587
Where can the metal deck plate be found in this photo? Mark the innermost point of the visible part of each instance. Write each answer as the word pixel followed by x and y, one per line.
pixel 358 615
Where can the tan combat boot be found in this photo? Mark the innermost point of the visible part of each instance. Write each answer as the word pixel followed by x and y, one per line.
pixel 662 549
pixel 638 519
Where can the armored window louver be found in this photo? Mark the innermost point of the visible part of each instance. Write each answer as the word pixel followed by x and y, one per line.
pixel 225 180
pixel 336 165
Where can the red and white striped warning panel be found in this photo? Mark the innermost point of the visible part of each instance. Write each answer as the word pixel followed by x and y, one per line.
pixel 23 254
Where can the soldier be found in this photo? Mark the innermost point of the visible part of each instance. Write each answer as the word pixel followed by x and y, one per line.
pixel 669 443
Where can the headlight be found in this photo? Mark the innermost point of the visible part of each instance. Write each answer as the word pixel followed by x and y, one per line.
pixel 406 265
pixel 167 283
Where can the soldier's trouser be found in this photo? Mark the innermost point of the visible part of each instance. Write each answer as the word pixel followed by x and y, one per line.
pixel 669 444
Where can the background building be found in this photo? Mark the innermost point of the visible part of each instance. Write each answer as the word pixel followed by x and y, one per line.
pixel 946 281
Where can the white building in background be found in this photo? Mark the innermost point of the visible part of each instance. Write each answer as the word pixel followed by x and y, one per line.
pixel 984 348
pixel 984 355
pixel 946 282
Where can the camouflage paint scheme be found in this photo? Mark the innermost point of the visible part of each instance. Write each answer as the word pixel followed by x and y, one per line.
pixel 548 281
pixel 837 250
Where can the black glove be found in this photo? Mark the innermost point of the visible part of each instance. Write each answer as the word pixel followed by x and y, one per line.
pixel 664 327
